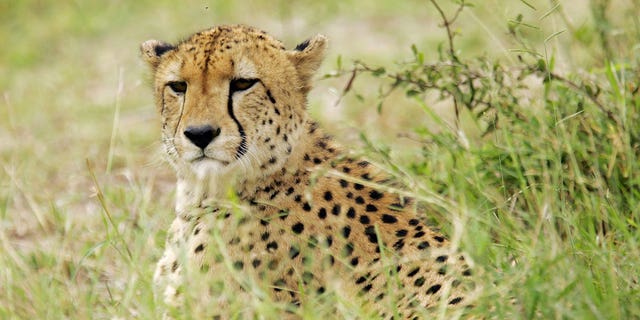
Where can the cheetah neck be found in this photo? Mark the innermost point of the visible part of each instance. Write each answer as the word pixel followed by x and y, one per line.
pixel 307 154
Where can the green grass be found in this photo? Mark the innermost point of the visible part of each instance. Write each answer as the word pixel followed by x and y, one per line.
pixel 545 201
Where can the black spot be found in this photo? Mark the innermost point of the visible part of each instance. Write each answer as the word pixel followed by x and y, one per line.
pixel 442 271
pixel 380 297
pixel 297 228
pixel 322 213
pixel 346 169
pixel 354 261
pixel 367 288
pixel 313 242
pixel 329 241
pixel 238 265
pixel 272 246
pixel 347 250
pixel 272 160
pixel 361 280
pixel 401 232
pixel 271 98
pixel 265 236
pixel 346 231
pixel 344 183
pixel 358 186
pixel 419 234
pixel 294 251
pixel 413 222
pixel 433 289
pixel 350 195
pixel 199 248
pixel 307 277
pixel 441 259
pixel 297 198
pixel 306 207
pixel 336 210
pixel 413 272
pixel 320 290
pixel 466 273
pixel 256 263
pixel 278 284
pixel 328 196
pixel 174 266
pixel 359 200
pixel 398 245
pixel 330 260
pixel 317 161
pixel 439 238
pixel 351 213
pixel 364 219
pixel 289 191
pixel 455 300
pixel 423 245
pixel 419 282
pixel 375 195
pixel 314 127
pixel 371 208
pixel 370 232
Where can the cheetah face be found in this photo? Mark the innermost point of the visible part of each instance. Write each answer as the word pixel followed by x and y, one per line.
pixel 231 99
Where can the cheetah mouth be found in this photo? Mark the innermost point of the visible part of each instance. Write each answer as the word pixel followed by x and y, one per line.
pixel 204 159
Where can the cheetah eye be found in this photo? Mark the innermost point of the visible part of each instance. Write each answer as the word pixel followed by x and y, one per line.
pixel 241 84
pixel 179 87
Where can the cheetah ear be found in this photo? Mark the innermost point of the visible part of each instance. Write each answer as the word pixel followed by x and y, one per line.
pixel 307 57
pixel 152 51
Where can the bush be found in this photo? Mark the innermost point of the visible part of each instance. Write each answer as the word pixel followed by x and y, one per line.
pixel 539 169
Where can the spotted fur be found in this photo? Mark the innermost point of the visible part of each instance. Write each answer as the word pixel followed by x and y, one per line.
pixel 233 105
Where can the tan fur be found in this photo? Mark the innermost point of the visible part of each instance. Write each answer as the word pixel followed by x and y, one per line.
pixel 310 216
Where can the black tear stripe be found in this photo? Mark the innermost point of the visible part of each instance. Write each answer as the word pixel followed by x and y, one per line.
pixel 162 110
pixel 242 148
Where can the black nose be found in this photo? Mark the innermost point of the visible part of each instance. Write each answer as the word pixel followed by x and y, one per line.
pixel 201 136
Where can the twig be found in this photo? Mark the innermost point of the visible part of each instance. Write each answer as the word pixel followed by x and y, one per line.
pixel 591 97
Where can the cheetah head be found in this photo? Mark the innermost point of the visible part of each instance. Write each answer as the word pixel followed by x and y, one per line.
pixel 231 99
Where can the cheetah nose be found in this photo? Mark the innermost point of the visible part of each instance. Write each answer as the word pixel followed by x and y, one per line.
pixel 201 136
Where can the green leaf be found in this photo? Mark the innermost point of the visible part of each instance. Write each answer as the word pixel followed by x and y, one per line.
pixel 378 72
pixel 528 4
pixel 412 92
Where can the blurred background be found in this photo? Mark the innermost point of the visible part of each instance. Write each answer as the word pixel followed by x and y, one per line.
pixel 81 171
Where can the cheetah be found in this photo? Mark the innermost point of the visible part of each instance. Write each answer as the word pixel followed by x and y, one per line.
pixel 267 199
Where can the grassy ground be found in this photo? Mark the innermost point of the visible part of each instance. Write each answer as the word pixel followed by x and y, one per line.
pixel 546 204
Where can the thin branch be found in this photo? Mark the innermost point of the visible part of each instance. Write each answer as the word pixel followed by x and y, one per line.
pixel 591 97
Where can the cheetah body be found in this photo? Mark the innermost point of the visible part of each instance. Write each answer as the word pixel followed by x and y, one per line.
pixel 307 219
